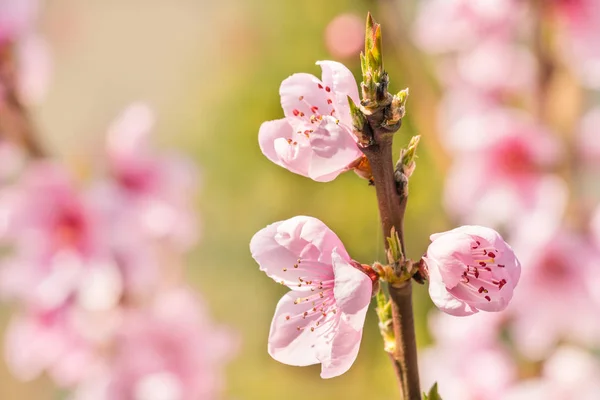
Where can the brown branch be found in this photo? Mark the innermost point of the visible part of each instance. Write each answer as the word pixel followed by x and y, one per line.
pixel 15 121
pixel 392 206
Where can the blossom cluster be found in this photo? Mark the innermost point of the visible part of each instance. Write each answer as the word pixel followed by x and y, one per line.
pixel 320 320
pixel 512 151
pixel 95 268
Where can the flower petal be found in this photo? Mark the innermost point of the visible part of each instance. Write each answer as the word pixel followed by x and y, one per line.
pixel 352 291
pixel 343 84
pixel 344 351
pixel 291 341
pixel 278 247
pixel 442 298
pixel 273 138
pixel 333 148
pixel 303 96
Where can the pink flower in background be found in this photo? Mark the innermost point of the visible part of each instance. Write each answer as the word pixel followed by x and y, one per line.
pixel 16 18
pixel 559 279
pixel 157 189
pixel 448 25
pixel 315 138
pixel 34 65
pixel 54 342
pixel 45 215
pixel 481 329
pixel 581 33
pixel 321 319
pixel 471 373
pixel 345 35
pixel 471 268
pixel 172 351
pixel 488 65
pixel 503 167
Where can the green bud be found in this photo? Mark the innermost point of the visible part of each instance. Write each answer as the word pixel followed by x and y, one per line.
pixel 408 156
pixel 372 62
pixel 397 108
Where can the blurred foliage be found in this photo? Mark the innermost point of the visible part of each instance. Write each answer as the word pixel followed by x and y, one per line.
pixel 263 42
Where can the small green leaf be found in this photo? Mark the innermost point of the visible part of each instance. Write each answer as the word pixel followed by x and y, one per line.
pixel 433 393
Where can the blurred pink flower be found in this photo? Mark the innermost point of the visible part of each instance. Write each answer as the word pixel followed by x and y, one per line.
pixel 34 68
pixel 16 18
pixel 487 66
pixel 471 269
pixel 45 214
pixel 345 35
pixel 315 138
pixel 570 373
pixel 157 189
pixel 474 372
pixel 503 168
pixel 581 23
pixel 51 341
pixel 557 298
pixel 172 351
pixel 481 329
pixel 321 319
pixel 448 25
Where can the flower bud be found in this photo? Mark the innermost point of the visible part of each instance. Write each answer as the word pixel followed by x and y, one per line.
pixel 471 268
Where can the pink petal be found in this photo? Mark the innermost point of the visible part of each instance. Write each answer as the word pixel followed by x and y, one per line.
pixel 352 291
pixel 278 247
pixel 344 350
pixel 449 253
pixel 304 95
pixel 333 150
pixel 343 84
pixel 442 298
pixel 291 341
pixel 273 140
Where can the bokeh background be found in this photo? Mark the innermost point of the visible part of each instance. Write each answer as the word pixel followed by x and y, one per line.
pixel 211 71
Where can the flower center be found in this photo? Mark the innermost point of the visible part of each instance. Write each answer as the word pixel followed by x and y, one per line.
pixel 480 276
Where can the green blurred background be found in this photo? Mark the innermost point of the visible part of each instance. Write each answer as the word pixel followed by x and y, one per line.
pixel 212 70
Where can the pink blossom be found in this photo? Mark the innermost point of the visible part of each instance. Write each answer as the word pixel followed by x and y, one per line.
pixel 581 25
pixel 447 25
pixel 488 64
pixel 34 68
pixel 158 189
pixel 481 329
pixel 560 262
pixel 315 138
pixel 345 35
pixel 502 168
pixel 170 351
pixel 16 18
pixel 55 235
pixel 471 268
pixel 55 342
pixel 321 319
pixel 475 373
pixel 45 213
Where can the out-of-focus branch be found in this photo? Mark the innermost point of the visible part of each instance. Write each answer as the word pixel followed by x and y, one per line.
pixel 15 122
pixel 545 61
